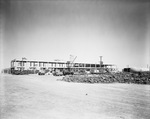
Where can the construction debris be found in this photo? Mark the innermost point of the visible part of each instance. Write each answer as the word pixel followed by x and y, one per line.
pixel 119 77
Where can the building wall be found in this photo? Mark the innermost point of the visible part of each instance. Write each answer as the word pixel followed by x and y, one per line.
pixel 38 65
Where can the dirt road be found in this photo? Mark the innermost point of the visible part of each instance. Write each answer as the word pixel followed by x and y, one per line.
pixel 43 97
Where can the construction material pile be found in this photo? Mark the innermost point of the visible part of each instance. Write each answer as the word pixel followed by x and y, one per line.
pixel 138 78
pixel 90 78
pixel 110 78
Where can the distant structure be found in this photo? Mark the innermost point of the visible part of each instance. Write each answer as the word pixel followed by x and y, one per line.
pixel 25 64
pixel 135 70
pixel 101 62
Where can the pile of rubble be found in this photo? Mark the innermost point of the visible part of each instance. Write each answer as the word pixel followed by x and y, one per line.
pixel 90 78
pixel 138 78
pixel 120 77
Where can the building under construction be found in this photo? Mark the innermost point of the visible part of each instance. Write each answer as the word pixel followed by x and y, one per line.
pixel 36 66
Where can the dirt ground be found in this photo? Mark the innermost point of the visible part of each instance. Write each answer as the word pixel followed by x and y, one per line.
pixel 43 97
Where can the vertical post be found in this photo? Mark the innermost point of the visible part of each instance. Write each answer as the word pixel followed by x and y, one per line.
pixel 101 62
pixel 11 64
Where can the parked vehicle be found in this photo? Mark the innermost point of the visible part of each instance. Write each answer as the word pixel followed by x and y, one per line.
pixel 41 72
pixel 68 72
pixel 58 73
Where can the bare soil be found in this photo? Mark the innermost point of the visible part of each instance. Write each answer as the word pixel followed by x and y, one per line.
pixel 43 97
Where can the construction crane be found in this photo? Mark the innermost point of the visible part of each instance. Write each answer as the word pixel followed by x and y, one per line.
pixel 71 62
pixel 68 71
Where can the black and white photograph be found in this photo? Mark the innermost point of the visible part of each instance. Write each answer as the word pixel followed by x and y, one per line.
pixel 74 59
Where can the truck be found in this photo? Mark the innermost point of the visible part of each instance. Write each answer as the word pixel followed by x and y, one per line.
pixel 68 72
pixel 58 73
pixel 41 72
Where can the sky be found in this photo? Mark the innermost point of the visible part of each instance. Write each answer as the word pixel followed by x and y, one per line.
pixel 118 30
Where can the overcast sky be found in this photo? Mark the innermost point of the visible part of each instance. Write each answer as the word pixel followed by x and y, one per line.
pixel 118 30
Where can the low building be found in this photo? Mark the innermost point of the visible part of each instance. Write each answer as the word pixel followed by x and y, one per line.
pixel 22 65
